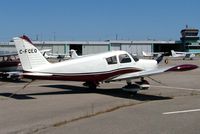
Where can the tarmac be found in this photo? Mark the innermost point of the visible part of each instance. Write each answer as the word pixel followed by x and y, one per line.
pixel 171 105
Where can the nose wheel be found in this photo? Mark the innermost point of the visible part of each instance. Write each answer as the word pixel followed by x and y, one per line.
pixel 144 84
pixel 139 85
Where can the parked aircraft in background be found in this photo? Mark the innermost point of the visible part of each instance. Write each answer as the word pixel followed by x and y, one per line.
pixel 46 53
pixel 10 66
pixel 184 55
pixel 92 69
pixel 151 55
pixel 73 54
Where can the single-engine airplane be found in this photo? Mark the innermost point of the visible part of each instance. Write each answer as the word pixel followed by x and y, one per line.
pixel 92 69
pixel 184 55
pixel 150 54
pixel 154 55
pixel 46 53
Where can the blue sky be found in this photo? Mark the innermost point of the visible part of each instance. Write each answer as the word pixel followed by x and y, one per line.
pixel 97 19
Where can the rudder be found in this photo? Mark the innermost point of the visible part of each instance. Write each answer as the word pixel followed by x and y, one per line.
pixel 29 55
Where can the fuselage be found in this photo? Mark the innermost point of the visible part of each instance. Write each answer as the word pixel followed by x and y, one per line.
pixel 98 67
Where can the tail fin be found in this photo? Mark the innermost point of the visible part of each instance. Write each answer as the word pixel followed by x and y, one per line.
pixel 143 53
pixel 29 55
pixel 73 54
pixel 173 53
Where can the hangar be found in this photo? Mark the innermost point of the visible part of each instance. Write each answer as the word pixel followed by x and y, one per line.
pixel 189 41
pixel 90 47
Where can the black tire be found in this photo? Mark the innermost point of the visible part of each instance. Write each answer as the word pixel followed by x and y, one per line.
pixel 134 93
pixel 92 86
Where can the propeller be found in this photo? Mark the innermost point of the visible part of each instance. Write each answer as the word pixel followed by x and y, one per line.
pixel 160 58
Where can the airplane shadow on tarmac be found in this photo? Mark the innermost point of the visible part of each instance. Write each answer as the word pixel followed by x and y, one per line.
pixel 68 89
pixel 17 96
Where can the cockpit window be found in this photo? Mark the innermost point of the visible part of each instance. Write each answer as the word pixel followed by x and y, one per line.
pixel 124 58
pixel 111 60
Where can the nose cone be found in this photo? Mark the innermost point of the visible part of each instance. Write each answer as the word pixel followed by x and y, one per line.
pixel 184 67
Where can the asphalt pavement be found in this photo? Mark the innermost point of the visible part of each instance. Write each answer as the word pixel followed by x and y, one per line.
pixel 171 105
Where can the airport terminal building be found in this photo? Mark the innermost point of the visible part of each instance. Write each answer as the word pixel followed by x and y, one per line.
pixel 189 41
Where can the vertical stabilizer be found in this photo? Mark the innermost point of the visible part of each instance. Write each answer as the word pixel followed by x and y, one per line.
pixel 73 54
pixel 143 53
pixel 173 53
pixel 29 55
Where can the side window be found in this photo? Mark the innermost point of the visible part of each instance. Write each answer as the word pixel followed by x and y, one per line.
pixel 111 60
pixel 124 58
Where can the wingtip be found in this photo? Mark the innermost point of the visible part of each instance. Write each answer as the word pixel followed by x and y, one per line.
pixel 184 67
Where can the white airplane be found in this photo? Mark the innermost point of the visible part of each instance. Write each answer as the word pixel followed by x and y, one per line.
pixel 92 69
pixel 151 55
pixel 47 55
pixel 73 54
pixel 185 55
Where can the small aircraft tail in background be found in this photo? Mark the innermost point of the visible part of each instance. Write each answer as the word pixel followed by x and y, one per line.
pixel 73 54
pixel 147 54
pixel 184 55
pixel 151 55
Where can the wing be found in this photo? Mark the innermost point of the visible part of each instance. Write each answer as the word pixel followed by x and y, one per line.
pixel 184 67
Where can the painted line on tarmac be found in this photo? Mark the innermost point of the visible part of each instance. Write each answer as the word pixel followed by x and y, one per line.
pixel 182 88
pixel 184 111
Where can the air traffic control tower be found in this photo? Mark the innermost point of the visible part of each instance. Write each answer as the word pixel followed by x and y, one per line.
pixel 190 39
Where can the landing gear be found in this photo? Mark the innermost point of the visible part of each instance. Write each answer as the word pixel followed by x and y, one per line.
pixel 139 85
pixel 144 84
pixel 133 88
pixel 91 85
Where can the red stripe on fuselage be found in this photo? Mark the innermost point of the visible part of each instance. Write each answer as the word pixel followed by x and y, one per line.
pixel 95 77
